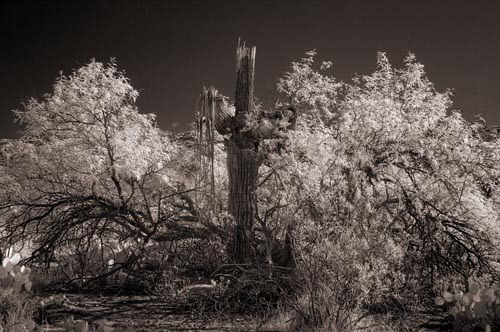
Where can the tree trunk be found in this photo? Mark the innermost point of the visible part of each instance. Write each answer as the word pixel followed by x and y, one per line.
pixel 243 159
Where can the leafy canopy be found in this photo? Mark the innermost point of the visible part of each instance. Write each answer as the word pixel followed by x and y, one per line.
pixel 385 156
pixel 88 166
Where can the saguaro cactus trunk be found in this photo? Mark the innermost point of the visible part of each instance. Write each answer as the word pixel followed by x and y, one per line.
pixel 243 157
pixel 243 165
pixel 242 147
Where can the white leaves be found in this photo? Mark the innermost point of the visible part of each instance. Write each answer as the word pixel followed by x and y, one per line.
pixel 81 134
pixel 304 85
pixel 87 98
pixel 325 65
pixel 393 138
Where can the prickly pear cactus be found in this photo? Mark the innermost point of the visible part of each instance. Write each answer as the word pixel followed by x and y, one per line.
pixel 13 275
pixel 13 280
pixel 478 307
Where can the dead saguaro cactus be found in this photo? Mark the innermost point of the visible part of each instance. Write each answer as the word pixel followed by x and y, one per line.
pixel 212 114
pixel 243 137
pixel 242 157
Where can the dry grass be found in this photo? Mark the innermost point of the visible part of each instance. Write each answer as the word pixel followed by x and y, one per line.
pixel 16 311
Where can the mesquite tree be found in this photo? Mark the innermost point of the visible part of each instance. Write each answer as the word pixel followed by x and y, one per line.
pixel 89 166
pixel 387 160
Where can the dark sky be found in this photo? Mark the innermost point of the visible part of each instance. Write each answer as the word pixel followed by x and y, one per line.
pixel 170 49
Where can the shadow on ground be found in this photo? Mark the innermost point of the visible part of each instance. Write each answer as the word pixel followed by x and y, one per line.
pixel 151 314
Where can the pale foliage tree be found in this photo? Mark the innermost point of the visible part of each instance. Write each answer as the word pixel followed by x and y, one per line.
pixel 90 167
pixel 389 162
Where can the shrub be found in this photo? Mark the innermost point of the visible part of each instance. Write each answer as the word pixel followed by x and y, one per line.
pixel 16 311
pixel 341 275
